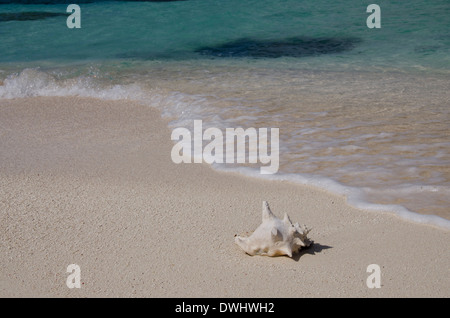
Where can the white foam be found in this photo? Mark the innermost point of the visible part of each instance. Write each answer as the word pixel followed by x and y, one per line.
pixel 355 196
pixel 32 82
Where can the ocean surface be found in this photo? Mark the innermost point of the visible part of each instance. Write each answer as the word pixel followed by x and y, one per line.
pixel 362 112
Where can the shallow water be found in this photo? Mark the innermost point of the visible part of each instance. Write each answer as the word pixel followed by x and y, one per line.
pixel 362 109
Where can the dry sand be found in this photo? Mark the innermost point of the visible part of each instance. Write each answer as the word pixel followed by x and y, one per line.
pixel 92 183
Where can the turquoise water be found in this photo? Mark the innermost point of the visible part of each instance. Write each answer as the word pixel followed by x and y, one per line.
pixel 363 112
pixel 413 35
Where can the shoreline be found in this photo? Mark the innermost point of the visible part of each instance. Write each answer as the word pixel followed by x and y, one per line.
pixel 352 198
pixel 91 182
pixel 405 170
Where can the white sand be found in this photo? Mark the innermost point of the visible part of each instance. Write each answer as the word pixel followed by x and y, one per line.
pixel 92 183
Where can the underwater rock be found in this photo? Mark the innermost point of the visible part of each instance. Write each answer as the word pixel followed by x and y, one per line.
pixel 29 16
pixel 72 1
pixel 291 47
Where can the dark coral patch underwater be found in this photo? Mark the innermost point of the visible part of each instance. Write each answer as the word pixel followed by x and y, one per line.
pixel 29 16
pixel 291 47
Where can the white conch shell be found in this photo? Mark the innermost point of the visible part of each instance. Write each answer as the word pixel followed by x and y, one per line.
pixel 274 236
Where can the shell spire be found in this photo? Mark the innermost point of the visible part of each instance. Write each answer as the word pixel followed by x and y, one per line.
pixel 266 212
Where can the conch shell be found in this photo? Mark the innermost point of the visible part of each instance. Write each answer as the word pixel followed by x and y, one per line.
pixel 274 236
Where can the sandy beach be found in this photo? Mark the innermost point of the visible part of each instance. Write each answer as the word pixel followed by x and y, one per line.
pixel 92 183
